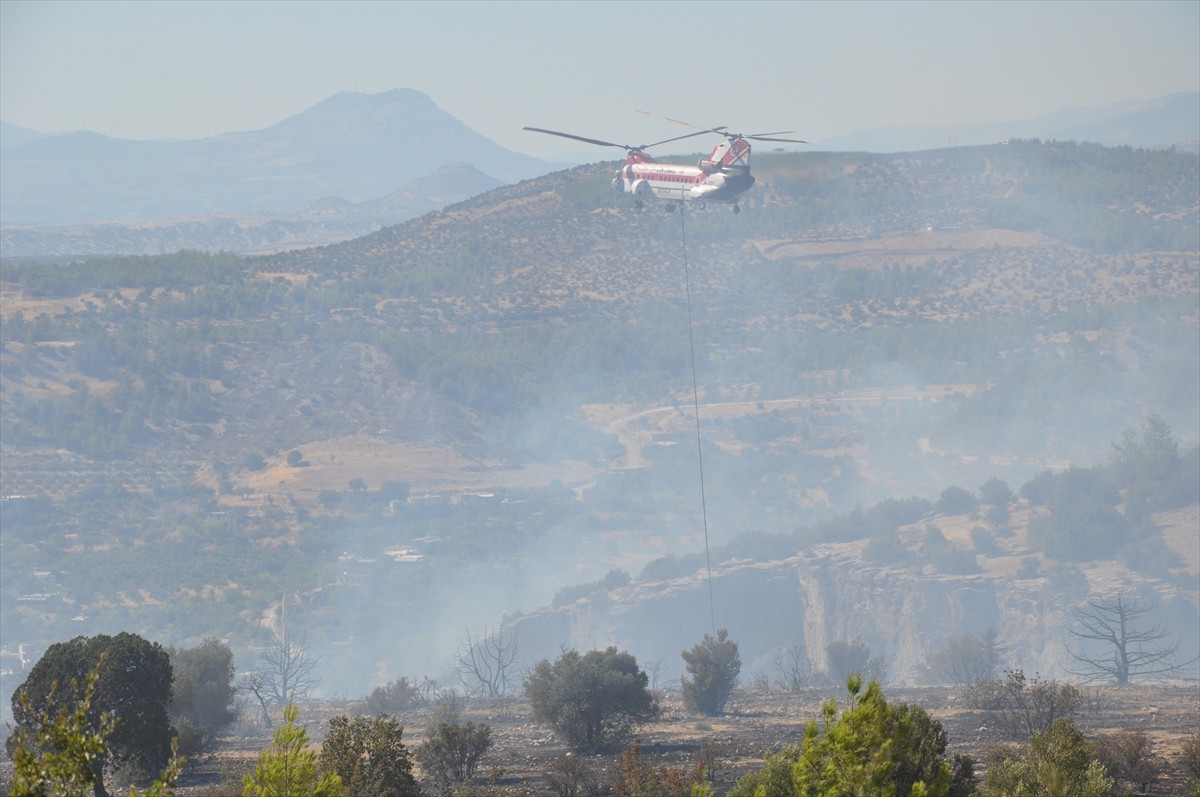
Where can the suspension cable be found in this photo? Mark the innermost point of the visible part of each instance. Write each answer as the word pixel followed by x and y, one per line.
pixel 687 282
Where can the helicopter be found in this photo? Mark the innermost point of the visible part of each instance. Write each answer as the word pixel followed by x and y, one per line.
pixel 721 177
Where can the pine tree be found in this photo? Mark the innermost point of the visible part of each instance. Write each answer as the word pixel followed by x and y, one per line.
pixel 288 768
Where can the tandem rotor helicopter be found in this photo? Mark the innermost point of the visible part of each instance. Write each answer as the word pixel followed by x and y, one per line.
pixel 721 177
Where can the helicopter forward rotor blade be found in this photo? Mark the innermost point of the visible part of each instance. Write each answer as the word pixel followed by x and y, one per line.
pixel 724 131
pixel 595 141
pixel 598 142
pixel 768 137
pixel 677 138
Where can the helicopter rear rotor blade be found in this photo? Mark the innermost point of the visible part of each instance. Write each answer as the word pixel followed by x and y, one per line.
pixel 595 141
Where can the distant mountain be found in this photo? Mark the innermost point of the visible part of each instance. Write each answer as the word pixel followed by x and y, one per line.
pixel 1173 120
pixel 14 135
pixel 354 146
pixel 324 221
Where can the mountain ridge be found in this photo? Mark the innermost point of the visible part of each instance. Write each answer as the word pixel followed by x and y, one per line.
pixel 356 146
pixel 1172 120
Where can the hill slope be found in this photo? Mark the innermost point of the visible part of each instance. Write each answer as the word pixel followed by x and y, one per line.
pixel 492 402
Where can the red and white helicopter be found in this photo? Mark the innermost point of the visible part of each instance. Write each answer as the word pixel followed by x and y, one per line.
pixel 721 177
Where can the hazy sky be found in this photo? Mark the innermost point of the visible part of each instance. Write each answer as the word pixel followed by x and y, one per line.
pixel 193 69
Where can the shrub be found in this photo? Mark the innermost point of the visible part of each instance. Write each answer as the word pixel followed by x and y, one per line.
pixel 636 778
pixel 592 700
pixel 451 751
pixel 397 695
pixel 1129 758
pixel 369 756
pixel 1057 757
pixel 1021 707
pixel 714 665
pixel 570 775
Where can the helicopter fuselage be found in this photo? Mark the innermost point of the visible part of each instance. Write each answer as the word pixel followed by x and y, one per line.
pixel 722 177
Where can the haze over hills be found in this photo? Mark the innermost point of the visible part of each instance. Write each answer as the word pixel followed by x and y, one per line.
pixel 323 221
pixel 460 419
pixel 82 193
pixel 1170 121
pixel 354 146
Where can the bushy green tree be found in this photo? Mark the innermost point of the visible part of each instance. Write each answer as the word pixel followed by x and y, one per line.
pixel 923 753
pixel 714 665
pixel 288 768
pixel 591 700
pixel 203 694
pixel 57 756
pixel 1057 762
pixel 861 749
pixel 133 684
pixel 369 756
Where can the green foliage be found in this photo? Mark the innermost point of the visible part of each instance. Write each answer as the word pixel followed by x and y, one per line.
pixel 861 749
pixel 288 768
pixel 773 780
pixel 63 753
pixel 593 700
pixel 133 684
pixel 203 693
pixel 923 757
pixel 59 754
pixel 1056 763
pixel 451 751
pixel 369 756
pixel 714 665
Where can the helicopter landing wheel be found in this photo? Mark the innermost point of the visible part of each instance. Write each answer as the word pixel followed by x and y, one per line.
pixel 737 209
pixel 703 206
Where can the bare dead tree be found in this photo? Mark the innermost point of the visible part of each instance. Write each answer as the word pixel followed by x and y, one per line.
pixel 794 668
pixel 486 664
pixel 252 683
pixel 1116 640
pixel 289 671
